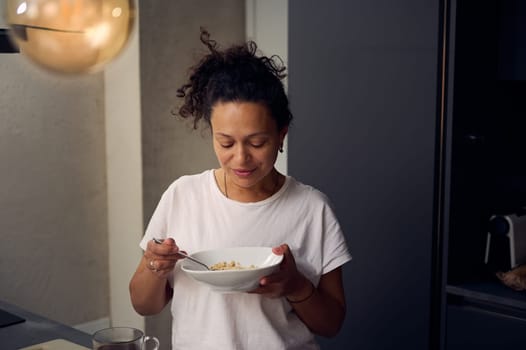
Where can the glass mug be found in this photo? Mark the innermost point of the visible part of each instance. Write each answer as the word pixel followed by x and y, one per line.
pixel 122 338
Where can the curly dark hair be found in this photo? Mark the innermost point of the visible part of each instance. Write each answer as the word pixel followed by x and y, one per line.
pixel 234 74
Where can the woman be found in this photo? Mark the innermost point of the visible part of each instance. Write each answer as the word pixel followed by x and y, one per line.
pixel 245 202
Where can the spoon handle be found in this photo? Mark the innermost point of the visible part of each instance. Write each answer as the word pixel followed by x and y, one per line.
pixel 160 241
pixel 194 260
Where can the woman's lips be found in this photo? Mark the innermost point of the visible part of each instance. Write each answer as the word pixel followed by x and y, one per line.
pixel 243 173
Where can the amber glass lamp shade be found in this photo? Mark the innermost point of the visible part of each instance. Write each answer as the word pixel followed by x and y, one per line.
pixel 70 36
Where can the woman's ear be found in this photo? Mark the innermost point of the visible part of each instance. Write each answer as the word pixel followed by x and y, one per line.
pixel 283 133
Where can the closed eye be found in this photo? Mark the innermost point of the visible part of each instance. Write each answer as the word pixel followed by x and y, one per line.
pixel 258 142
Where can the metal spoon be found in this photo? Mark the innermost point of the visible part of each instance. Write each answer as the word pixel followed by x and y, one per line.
pixel 160 241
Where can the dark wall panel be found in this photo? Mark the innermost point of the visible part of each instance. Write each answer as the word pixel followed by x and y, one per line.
pixel 363 89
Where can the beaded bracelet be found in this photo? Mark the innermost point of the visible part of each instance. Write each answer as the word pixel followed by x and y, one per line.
pixel 304 299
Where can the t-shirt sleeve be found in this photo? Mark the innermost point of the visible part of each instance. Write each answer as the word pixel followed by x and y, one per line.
pixel 158 224
pixel 335 249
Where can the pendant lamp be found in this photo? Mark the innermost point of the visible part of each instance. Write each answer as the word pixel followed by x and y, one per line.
pixel 70 36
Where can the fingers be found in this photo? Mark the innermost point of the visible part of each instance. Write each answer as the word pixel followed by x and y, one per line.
pixel 167 247
pixel 270 286
pixel 288 258
pixel 155 264
pixel 157 269
pixel 160 258
pixel 281 249
pixel 279 283
pixel 285 282
pixel 161 268
pixel 288 265
pixel 160 264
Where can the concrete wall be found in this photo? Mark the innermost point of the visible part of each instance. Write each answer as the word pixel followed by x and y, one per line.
pixel 60 162
pixel 124 177
pixel 169 45
pixel 70 172
pixel 267 24
pixel 53 240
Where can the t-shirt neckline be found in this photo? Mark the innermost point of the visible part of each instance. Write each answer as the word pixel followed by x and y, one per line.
pixel 218 192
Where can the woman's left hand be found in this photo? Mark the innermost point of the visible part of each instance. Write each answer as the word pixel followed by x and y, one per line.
pixel 321 307
pixel 287 281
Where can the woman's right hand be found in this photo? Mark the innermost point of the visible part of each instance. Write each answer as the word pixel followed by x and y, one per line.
pixel 150 290
pixel 160 258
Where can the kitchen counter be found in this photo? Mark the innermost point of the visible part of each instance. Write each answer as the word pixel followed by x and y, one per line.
pixel 36 329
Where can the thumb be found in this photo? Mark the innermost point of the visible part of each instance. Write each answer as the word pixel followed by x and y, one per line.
pixel 280 250
pixel 169 241
pixel 284 250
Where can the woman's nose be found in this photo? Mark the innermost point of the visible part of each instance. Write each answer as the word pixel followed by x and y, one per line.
pixel 242 154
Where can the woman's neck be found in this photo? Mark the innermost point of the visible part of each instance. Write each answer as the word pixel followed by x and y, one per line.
pixel 262 190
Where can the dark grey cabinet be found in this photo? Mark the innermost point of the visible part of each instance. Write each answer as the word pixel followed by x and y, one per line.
pixel 416 143
pixel 482 329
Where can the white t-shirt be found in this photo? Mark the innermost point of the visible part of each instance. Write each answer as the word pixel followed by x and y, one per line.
pixel 196 214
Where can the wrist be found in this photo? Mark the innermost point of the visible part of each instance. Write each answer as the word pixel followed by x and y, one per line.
pixel 304 294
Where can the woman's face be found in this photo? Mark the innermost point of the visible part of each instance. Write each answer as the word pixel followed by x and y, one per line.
pixel 246 141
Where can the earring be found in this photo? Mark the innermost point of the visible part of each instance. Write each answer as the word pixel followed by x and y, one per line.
pixel 281 149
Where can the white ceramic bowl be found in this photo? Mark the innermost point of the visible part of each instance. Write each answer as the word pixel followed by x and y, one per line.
pixel 262 258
